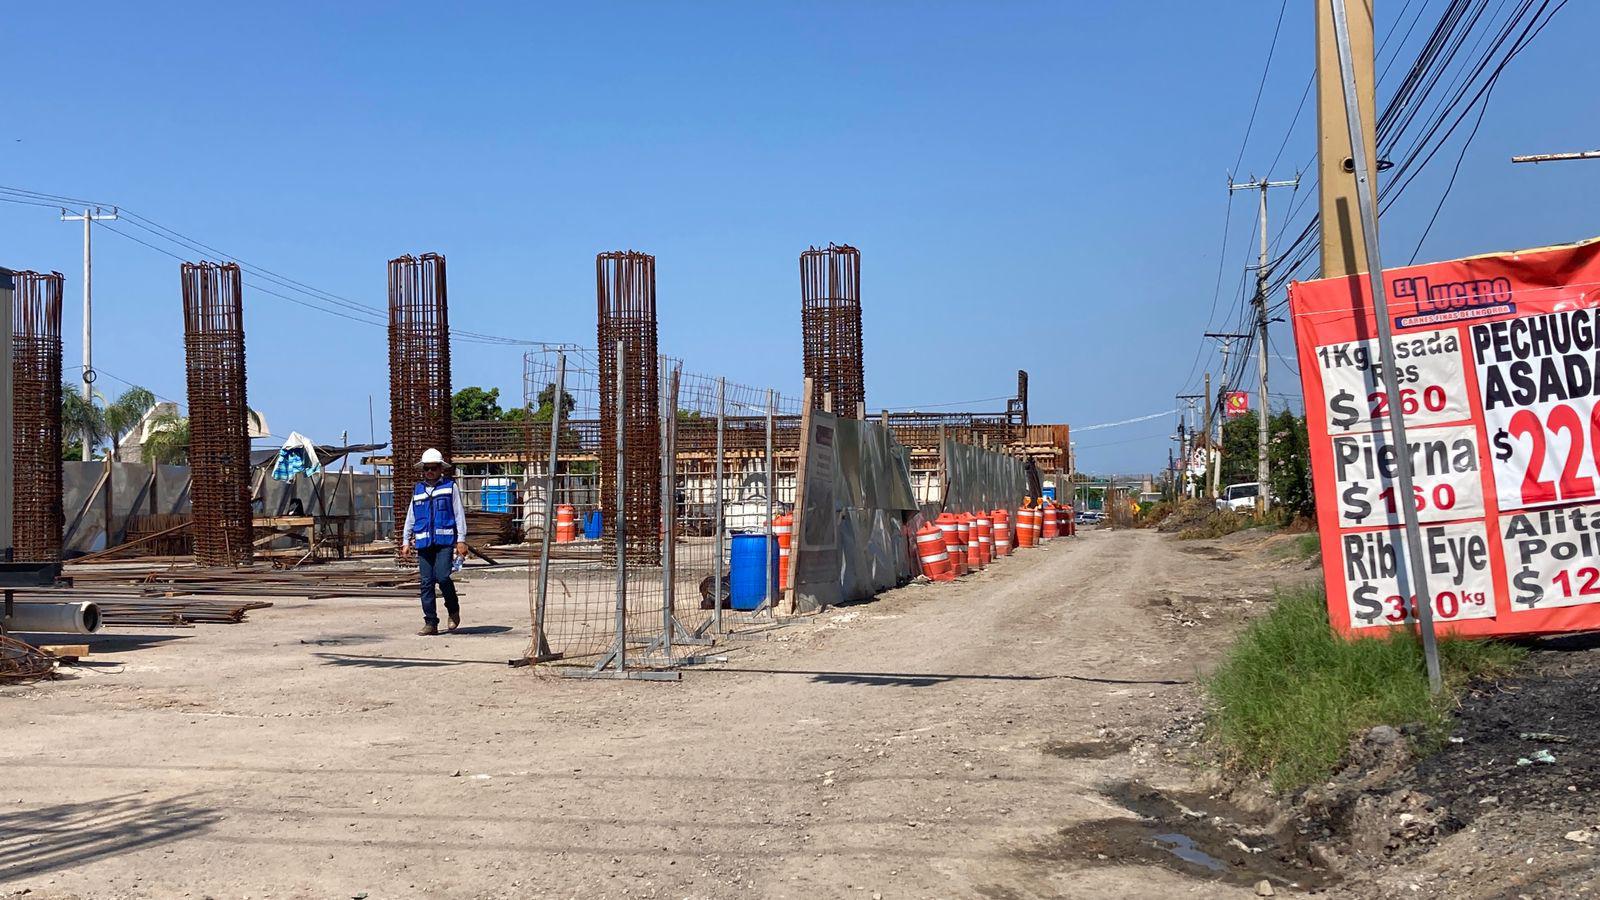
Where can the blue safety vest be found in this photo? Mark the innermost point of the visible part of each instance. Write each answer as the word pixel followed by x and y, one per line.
pixel 433 515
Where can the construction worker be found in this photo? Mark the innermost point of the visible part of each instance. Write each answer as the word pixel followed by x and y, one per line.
pixel 1035 497
pixel 435 529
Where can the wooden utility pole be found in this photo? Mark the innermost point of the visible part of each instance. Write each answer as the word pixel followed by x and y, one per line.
pixel 1210 450
pixel 1342 250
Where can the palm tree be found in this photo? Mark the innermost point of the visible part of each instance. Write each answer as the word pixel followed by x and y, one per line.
pixel 166 439
pixel 80 419
pixel 124 413
pixel 110 421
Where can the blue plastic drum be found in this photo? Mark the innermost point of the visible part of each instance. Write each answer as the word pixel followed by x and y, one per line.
pixel 754 555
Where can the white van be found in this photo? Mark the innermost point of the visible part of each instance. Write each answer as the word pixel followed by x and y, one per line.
pixel 1240 497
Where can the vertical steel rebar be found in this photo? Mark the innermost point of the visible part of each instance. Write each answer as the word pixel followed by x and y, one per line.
pixel 541 646
pixel 36 513
pixel 419 370
pixel 219 440
pixel 716 593
pixel 830 324
pixel 625 293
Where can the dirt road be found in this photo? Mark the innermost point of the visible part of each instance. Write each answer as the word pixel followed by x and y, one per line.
pixel 934 743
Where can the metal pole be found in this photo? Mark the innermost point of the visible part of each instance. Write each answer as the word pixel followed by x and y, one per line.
pixel 1380 304
pixel 618 527
pixel 716 592
pixel 541 646
pixel 772 490
pixel 669 416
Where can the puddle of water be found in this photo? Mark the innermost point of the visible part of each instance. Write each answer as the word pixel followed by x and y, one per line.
pixel 1194 835
pixel 1183 847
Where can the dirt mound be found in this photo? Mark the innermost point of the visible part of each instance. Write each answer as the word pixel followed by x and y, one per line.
pixel 1187 514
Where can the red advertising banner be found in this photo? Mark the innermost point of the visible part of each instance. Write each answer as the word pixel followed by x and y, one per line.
pixel 1235 404
pixel 1498 363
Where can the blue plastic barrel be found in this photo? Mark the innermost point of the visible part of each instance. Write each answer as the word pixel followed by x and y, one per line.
pixel 592 524
pixel 497 495
pixel 753 556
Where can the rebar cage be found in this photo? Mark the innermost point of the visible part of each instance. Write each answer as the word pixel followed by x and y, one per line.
pixel 830 326
pixel 625 294
pixel 219 440
pixel 37 517
pixel 419 369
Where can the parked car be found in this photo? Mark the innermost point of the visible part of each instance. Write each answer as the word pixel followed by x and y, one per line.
pixel 1240 497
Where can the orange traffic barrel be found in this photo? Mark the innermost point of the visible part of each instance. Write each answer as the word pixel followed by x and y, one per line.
pixel 950 527
pixel 783 530
pixel 1068 520
pixel 1027 527
pixel 1002 532
pixel 1052 525
pixel 985 537
pixel 975 559
pixel 931 552
pixel 566 523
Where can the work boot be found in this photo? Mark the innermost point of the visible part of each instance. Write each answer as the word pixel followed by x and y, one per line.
pixel 429 630
pixel 455 622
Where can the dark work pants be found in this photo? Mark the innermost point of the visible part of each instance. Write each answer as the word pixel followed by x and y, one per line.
pixel 433 567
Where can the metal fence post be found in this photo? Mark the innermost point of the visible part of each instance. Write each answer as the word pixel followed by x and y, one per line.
pixel 541 649
pixel 618 527
pixel 669 415
pixel 769 557
pixel 716 593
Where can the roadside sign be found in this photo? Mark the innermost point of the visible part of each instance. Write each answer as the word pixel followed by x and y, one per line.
pixel 1497 358
pixel 1235 404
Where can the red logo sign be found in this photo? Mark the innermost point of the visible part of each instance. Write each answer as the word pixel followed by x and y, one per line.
pixel 1235 404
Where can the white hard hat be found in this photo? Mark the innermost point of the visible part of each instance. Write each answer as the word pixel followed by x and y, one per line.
pixel 431 456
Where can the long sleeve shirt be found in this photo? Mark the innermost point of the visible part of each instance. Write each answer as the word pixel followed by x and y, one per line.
pixel 455 501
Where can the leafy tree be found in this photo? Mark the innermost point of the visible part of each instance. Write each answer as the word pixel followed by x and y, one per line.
pixel 547 404
pixel 474 404
pixel 1289 452
pixel 1239 449
pixel 79 416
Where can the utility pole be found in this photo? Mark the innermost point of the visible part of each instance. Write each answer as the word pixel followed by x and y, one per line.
pixel 1351 60
pixel 1342 251
pixel 1263 473
pixel 1226 338
pixel 1210 450
pixel 89 217
pixel 1188 449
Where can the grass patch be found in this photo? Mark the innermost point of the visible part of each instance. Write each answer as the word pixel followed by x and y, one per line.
pixel 1291 693
pixel 1301 546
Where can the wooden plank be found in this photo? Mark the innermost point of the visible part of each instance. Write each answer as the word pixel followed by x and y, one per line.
pixel 65 651
pixel 798 522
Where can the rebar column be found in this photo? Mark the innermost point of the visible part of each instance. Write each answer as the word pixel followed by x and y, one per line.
pixel 219 439
pixel 830 326
pixel 419 369
pixel 625 292
pixel 37 517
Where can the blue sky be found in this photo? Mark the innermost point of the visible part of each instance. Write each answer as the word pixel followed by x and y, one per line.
pixel 1036 186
